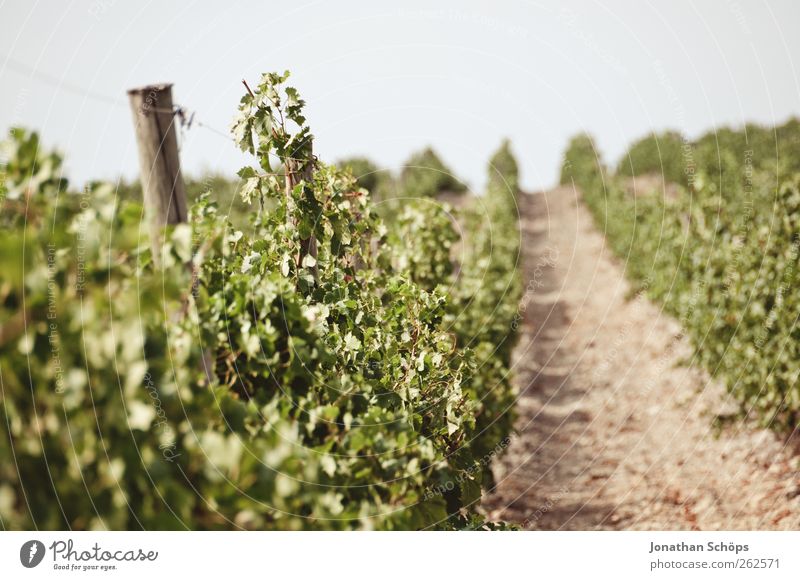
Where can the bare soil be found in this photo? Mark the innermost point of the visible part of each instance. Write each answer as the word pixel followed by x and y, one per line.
pixel 615 427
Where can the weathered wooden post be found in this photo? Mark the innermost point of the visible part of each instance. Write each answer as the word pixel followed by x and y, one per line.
pixel 159 164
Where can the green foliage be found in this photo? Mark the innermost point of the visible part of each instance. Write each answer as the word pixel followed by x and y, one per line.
pixel 484 311
pixel 484 290
pixel 28 169
pixel 222 189
pixel 666 154
pixel 83 337
pixel 581 160
pixel 503 171
pixel 425 174
pixel 723 258
pixel 380 183
pixel 309 372
pixel 423 235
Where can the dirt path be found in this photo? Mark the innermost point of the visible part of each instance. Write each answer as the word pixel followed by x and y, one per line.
pixel 615 422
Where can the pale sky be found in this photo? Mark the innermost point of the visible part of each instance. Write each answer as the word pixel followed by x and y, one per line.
pixel 384 79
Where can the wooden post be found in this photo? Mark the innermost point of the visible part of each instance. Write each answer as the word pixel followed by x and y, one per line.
pixel 159 164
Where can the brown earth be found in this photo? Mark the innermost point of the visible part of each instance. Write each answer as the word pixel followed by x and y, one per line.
pixel 615 428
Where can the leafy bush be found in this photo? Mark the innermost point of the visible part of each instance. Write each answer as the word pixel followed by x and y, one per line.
pixel 223 189
pixel 666 154
pixel 380 183
pixel 725 158
pixel 27 170
pixel 503 172
pixel 423 235
pixel 304 374
pixel 723 257
pixel 485 306
pixel 425 174
pixel 581 159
